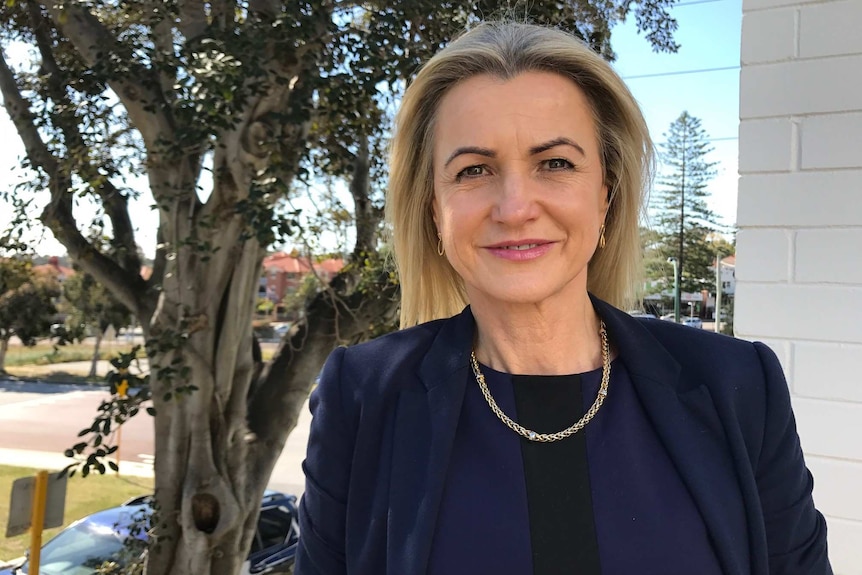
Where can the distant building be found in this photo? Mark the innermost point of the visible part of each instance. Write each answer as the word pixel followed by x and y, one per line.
pixel 283 273
pixel 55 270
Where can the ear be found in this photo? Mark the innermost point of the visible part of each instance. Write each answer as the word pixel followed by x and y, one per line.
pixel 434 212
pixel 605 203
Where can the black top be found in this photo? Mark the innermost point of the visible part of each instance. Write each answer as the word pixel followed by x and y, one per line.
pixel 606 500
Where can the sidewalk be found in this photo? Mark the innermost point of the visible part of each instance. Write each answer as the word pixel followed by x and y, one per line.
pixel 57 461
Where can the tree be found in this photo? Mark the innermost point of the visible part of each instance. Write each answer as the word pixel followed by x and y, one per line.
pixel 227 108
pixel 94 309
pixel 26 305
pixel 684 222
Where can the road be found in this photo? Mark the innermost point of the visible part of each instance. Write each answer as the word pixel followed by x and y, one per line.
pixel 38 421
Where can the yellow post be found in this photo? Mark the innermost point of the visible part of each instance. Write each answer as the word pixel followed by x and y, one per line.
pixel 37 519
pixel 122 392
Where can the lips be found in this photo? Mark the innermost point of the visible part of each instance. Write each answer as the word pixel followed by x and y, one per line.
pixel 520 250
pixel 520 247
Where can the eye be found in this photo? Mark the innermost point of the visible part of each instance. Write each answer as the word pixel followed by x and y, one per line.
pixel 558 164
pixel 471 172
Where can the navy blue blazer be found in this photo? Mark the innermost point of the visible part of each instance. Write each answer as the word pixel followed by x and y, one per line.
pixel 385 414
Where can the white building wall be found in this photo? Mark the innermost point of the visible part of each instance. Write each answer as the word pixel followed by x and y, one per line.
pixel 799 250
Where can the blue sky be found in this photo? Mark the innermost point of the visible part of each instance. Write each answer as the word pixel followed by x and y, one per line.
pixel 709 35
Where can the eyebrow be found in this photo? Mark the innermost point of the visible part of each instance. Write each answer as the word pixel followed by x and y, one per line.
pixel 562 141
pixel 538 149
pixel 488 153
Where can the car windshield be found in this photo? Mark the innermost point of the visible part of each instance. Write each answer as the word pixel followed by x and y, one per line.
pixel 80 550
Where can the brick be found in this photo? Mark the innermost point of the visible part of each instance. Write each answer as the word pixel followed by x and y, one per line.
pixel 762 255
pixel 768 36
pixel 830 29
pixel 843 538
pixel 829 428
pixel 836 486
pixel 829 255
pixel 801 87
pixel 765 146
pixel 800 199
pixel 827 371
pixel 833 141
pixel 804 312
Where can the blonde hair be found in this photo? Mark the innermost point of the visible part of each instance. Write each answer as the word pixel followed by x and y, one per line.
pixel 430 287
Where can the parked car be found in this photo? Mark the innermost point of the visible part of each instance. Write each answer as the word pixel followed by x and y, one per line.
pixel 119 535
pixel 641 314
pixel 693 322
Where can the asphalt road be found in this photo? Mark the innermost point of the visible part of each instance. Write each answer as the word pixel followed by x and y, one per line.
pixel 38 421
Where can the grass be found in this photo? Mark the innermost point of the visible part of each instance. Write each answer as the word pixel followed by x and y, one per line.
pixel 84 495
pixel 46 353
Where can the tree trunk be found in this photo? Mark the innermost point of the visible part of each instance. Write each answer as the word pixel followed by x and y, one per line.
pixel 94 364
pixel 366 216
pixel 216 446
pixel 4 347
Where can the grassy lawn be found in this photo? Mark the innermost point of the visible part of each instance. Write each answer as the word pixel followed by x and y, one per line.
pixel 45 353
pixel 83 496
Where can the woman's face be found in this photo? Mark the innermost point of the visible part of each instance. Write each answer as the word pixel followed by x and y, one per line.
pixel 519 196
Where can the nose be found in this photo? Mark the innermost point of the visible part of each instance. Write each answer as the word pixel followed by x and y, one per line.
pixel 515 200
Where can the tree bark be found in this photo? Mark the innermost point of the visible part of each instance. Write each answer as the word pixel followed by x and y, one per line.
pixel 4 347
pixel 94 364
pixel 367 218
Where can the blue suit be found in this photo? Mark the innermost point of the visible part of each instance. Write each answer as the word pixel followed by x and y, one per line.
pixel 385 415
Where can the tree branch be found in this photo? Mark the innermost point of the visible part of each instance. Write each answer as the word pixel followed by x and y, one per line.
pixel 126 285
pixel 113 201
pixel 265 8
pixel 135 89
pixel 129 288
pixel 19 111
pixel 193 19
pixel 283 387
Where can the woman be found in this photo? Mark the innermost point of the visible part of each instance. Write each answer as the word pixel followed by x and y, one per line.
pixel 540 430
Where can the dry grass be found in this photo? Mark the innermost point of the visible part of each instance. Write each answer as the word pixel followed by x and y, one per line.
pixel 83 496
pixel 45 353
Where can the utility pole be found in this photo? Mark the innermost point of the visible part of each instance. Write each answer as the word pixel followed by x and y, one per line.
pixel 676 294
pixel 717 293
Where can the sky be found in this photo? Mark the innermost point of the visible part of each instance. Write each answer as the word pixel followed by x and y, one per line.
pixel 709 38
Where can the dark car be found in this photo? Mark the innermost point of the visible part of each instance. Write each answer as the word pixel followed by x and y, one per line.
pixel 119 535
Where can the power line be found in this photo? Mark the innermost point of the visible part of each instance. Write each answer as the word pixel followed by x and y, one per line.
pixel 681 72
pixel 695 2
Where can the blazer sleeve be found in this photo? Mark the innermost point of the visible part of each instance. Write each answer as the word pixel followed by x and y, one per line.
pixel 795 530
pixel 323 508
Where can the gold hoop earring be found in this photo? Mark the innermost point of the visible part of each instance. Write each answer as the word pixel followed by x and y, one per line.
pixel 440 250
pixel 602 237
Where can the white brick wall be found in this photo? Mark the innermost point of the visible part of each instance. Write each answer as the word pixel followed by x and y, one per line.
pixel 799 248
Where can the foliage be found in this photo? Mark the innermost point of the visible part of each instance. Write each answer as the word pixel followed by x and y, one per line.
pixel 684 225
pixel 26 305
pixel 92 306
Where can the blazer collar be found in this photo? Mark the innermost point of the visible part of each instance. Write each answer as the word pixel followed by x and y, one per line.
pixel 681 411
pixel 684 416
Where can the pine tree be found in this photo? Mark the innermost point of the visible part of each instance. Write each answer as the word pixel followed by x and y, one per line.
pixel 682 218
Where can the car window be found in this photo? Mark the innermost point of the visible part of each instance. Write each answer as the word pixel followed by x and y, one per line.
pixel 80 550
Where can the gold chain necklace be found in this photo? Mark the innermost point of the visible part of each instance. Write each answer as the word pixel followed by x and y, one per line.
pixel 579 425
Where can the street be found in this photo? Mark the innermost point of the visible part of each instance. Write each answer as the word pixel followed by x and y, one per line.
pixel 38 421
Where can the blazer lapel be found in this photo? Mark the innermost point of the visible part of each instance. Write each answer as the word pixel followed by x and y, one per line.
pixel 425 425
pixel 685 418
